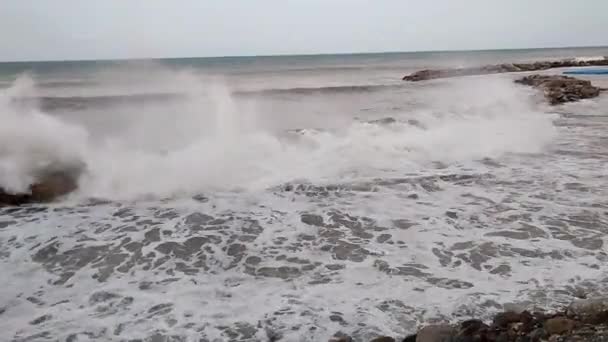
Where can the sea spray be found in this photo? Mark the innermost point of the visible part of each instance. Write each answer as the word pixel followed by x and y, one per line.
pixel 32 141
pixel 209 140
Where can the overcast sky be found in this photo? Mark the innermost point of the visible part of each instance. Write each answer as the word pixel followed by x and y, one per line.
pixel 92 29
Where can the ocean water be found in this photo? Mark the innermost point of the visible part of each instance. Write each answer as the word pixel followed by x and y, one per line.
pixel 292 198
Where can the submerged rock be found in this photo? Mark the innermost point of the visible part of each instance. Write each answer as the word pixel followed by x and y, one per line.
pixel 51 184
pixel 561 89
pixel 430 74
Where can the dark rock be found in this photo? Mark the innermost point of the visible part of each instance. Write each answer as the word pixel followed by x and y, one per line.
pixel 538 335
pixel 384 339
pixel 505 319
pixel 411 338
pixel 51 184
pixel 472 327
pixel 561 89
pixel 424 75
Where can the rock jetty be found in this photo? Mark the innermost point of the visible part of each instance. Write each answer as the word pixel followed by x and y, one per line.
pixel 430 74
pixel 561 89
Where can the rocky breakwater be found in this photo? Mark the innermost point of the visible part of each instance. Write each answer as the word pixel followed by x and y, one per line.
pixel 561 89
pixel 49 184
pixel 430 74
pixel 584 320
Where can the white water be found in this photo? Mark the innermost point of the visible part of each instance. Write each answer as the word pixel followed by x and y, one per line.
pixel 208 141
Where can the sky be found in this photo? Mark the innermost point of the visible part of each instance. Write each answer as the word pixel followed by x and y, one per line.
pixel 109 29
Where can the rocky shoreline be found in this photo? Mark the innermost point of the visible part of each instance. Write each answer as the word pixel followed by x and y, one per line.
pixel 585 320
pixel 429 74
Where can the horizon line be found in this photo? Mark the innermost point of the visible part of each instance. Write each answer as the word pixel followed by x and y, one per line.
pixel 296 54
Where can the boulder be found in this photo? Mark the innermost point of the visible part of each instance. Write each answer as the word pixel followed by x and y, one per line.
pixel 590 311
pixel 559 325
pixel 51 183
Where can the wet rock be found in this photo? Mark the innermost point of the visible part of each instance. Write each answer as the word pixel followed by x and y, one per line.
pixel 436 333
pixel 561 89
pixel 384 339
pixel 559 325
pixel 590 311
pixel 505 319
pixel 538 335
pixel 472 328
pixel 411 338
pixel 424 75
pixel 49 185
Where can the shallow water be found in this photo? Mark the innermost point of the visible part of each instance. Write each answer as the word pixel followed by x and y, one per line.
pixel 218 215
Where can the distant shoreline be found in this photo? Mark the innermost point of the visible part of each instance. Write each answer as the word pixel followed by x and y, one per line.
pixel 304 55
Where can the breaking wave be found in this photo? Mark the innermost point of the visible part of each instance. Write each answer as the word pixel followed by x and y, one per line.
pixel 214 142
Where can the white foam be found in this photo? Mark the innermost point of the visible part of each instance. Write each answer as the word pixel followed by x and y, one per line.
pixel 31 140
pixel 210 141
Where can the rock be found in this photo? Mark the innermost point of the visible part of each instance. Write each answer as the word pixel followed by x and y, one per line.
pixel 559 325
pixel 51 184
pixel 384 339
pixel 436 333
pixel 538 334
pixel 428 74
pixel 411 338
pixel 561 89
pixel 505 319
pixel 590 311
pixel 472 327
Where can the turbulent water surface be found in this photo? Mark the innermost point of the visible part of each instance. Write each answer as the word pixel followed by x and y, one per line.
pixel 252 199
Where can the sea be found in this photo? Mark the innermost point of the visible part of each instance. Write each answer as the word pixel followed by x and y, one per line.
pixel 295 198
